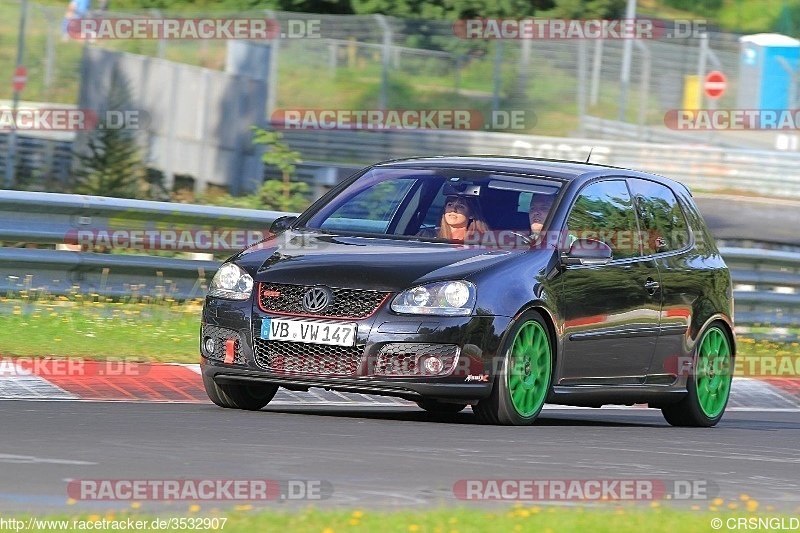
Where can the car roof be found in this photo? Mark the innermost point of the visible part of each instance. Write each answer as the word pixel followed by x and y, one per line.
pixel 556 168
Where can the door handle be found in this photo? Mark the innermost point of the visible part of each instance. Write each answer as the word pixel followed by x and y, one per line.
pixel 651 286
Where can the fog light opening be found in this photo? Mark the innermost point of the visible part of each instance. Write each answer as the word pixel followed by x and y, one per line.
pixel 433 365
pixel 208 345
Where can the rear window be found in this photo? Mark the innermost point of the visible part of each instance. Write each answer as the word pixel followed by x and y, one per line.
pixel 603 211
pixel 660 215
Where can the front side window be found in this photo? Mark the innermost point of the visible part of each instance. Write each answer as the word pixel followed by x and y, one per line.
pixel 370 210
pixel 660 216
pixel 604 211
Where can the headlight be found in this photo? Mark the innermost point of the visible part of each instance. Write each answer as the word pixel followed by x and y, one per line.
pixel 231 282
pixel 448 298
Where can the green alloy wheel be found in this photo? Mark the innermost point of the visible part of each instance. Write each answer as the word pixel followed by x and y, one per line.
pixel 710 385
pixel 523 384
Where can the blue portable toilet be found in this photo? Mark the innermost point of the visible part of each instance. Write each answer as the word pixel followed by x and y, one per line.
pixel 764 82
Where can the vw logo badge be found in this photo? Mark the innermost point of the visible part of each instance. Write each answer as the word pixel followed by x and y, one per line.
pixel 316 299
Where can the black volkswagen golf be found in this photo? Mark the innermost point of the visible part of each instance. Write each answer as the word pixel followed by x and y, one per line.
pixel 497 282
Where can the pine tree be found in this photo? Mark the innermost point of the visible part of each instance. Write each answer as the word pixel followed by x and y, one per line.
pixel 111 163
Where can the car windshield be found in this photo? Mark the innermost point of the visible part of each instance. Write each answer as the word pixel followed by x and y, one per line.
pixel 452 204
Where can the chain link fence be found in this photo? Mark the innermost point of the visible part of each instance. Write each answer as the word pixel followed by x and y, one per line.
pixel 373 62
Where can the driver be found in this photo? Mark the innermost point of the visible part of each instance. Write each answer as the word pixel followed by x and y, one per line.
pixel 462 219
pixel 537 213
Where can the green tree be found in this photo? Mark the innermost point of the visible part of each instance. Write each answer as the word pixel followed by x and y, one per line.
pixel 586 9
pixel 269 196
pixel 278 154
pixel 452 9
pixel 111 162
pixel 275 195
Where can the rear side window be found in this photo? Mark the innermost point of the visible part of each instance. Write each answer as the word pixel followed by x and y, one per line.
pixel 660 216
pixel 604 211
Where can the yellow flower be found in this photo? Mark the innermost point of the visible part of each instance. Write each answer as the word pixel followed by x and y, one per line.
pixel 358 514
pixel 243 507
pixel 194 508
pixel 744 497
pixel 713 508
pixel 354 522
pixel 136 505
pixel 70 501
pixel 655 504
pixel 94 518
pixel 327 530
pixel 695 507
pixel 717 501
pixel 732 505
pixel 413 527
pixel 752 505
pixel 453 520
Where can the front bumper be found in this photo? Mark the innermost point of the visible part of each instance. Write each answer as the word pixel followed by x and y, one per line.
pixel 409 390
pixel 475 340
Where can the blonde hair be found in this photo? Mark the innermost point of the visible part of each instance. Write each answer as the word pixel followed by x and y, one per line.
pixel 476 225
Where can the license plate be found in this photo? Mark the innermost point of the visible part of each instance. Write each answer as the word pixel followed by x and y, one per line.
pixel 276 329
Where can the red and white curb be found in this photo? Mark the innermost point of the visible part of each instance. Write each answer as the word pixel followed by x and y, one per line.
pixel 152 382
pixel 164 382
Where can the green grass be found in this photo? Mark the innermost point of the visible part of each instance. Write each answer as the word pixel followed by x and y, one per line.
pixel 88 326
pixel 462 520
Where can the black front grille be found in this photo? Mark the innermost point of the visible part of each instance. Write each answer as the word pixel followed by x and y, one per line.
pixel 304 358
pixel 220 335
pixel 407 359
pixel 346 303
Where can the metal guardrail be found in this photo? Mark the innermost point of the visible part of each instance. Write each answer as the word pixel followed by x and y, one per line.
pixel 766 282
pixel 56 219
pixel 35 217
pixel 766 285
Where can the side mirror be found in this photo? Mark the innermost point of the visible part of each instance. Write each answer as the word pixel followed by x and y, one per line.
pixel 587 252
pixel 281 224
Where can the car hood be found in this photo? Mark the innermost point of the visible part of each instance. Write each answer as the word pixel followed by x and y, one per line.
pixel 305 258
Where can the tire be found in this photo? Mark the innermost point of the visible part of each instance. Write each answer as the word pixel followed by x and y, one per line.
pixel 239 396
pixel 441 408
pixel 709 386
pixel 518 395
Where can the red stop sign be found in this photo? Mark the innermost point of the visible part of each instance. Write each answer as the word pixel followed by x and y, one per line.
pixel 19 79
pixel 715 84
